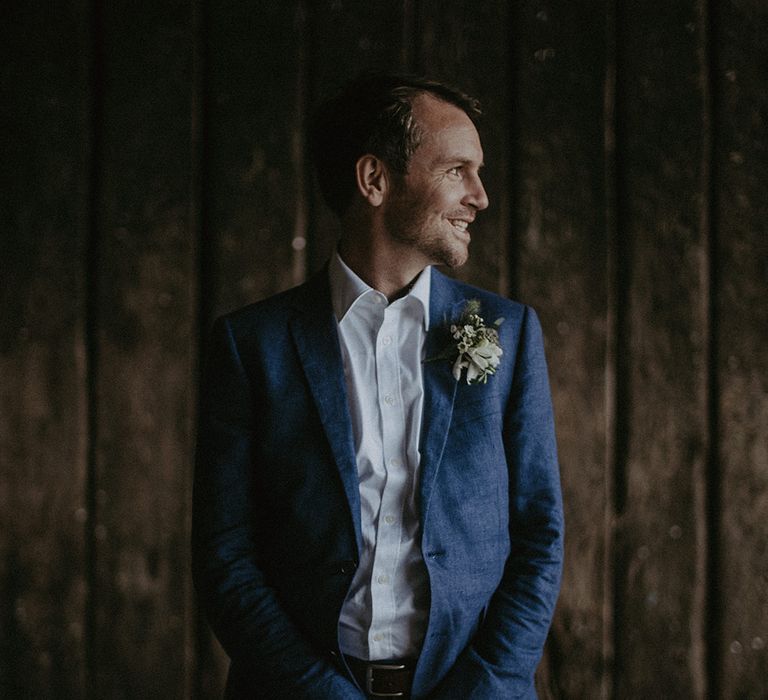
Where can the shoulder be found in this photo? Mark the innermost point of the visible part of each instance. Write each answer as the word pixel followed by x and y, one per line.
pixel 275 311
pixel 492 305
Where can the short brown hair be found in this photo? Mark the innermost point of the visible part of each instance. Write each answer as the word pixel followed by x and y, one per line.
pixel 372 114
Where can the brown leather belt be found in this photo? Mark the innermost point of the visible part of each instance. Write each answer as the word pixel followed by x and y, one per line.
pixel 383 679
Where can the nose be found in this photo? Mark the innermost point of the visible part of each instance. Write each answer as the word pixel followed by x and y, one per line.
pixel 476 196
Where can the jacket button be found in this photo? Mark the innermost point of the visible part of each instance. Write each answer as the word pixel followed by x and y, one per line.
pixel 347 567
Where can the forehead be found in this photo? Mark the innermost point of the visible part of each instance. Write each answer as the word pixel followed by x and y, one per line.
pixel 448 132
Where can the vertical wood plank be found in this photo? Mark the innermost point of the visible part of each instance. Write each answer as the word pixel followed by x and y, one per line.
pixel 345 39
pixel 255 216
pixel 662 530
pixel 742 331
pixel 559 241
pixel 466 43
pixel 43 397
pixel 145 354
pixel 253 188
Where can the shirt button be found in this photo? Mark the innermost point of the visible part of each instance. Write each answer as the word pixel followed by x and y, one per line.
pixel 394 462
pixel 389 519
pixel 389 400
pixel 386 340
pixel 378 637
pixel 383 579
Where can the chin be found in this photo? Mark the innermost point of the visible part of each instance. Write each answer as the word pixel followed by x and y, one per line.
pixel 443 250
pixel 453 258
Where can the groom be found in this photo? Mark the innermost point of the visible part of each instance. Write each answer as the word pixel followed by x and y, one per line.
pixel 377 508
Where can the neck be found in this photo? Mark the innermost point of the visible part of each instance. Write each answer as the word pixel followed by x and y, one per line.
pixel 385 269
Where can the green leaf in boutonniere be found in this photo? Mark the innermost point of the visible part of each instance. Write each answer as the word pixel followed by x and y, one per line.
pixel 474 347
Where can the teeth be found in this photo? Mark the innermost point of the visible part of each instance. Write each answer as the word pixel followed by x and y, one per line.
pixel 460 224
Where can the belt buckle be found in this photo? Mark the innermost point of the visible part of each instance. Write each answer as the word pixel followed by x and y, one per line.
pixel 369 679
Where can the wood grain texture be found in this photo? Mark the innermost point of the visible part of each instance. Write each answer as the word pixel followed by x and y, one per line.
pixel 253 193
pixel 255 210
pixel 660 571
pixel 146 347
pixel 345 39
pixel 44 144
pixel 559 243
pixel 662 289
pixel 742 371
pixel 466 44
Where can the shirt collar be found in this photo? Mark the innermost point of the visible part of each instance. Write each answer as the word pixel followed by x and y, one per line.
pixel 347 288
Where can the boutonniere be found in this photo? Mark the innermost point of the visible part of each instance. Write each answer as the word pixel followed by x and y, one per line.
pixel 475 345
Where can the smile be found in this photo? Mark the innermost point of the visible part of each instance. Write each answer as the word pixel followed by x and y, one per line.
pixel 459 224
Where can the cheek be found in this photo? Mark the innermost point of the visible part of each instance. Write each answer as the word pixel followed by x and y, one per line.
pixel 437 203
pixel 446 198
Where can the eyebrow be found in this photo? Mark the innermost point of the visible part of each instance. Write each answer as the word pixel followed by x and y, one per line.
pixel 456 159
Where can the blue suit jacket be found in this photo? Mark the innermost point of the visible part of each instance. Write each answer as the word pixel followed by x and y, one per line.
pixel 276 521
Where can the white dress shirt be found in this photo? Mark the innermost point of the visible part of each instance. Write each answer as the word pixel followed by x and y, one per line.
pixel 382 345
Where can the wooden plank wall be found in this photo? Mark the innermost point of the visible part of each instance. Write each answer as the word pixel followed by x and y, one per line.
pixel 153 176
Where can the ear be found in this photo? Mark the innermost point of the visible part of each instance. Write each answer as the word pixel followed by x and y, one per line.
pixel 372 180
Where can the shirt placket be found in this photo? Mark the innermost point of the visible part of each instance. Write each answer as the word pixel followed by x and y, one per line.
pixel 387 551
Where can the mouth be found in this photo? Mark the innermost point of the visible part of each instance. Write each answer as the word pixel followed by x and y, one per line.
pixel 460 225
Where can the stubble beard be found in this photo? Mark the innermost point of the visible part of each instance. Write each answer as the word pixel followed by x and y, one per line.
pixel 432 239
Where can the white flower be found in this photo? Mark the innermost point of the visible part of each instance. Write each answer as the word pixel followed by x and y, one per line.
pixel 485 355
pixel 460 364
pixel 478 346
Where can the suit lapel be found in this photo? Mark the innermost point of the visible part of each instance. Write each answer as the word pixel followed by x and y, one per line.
pixel 316 337
pixel 439 384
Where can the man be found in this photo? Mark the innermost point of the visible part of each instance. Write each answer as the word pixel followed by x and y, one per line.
pixel 377 503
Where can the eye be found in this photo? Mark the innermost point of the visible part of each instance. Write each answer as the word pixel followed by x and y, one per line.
pixel 454 171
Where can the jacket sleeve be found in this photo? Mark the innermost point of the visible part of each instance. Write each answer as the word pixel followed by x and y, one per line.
pixel 243 610
pixel 501 659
